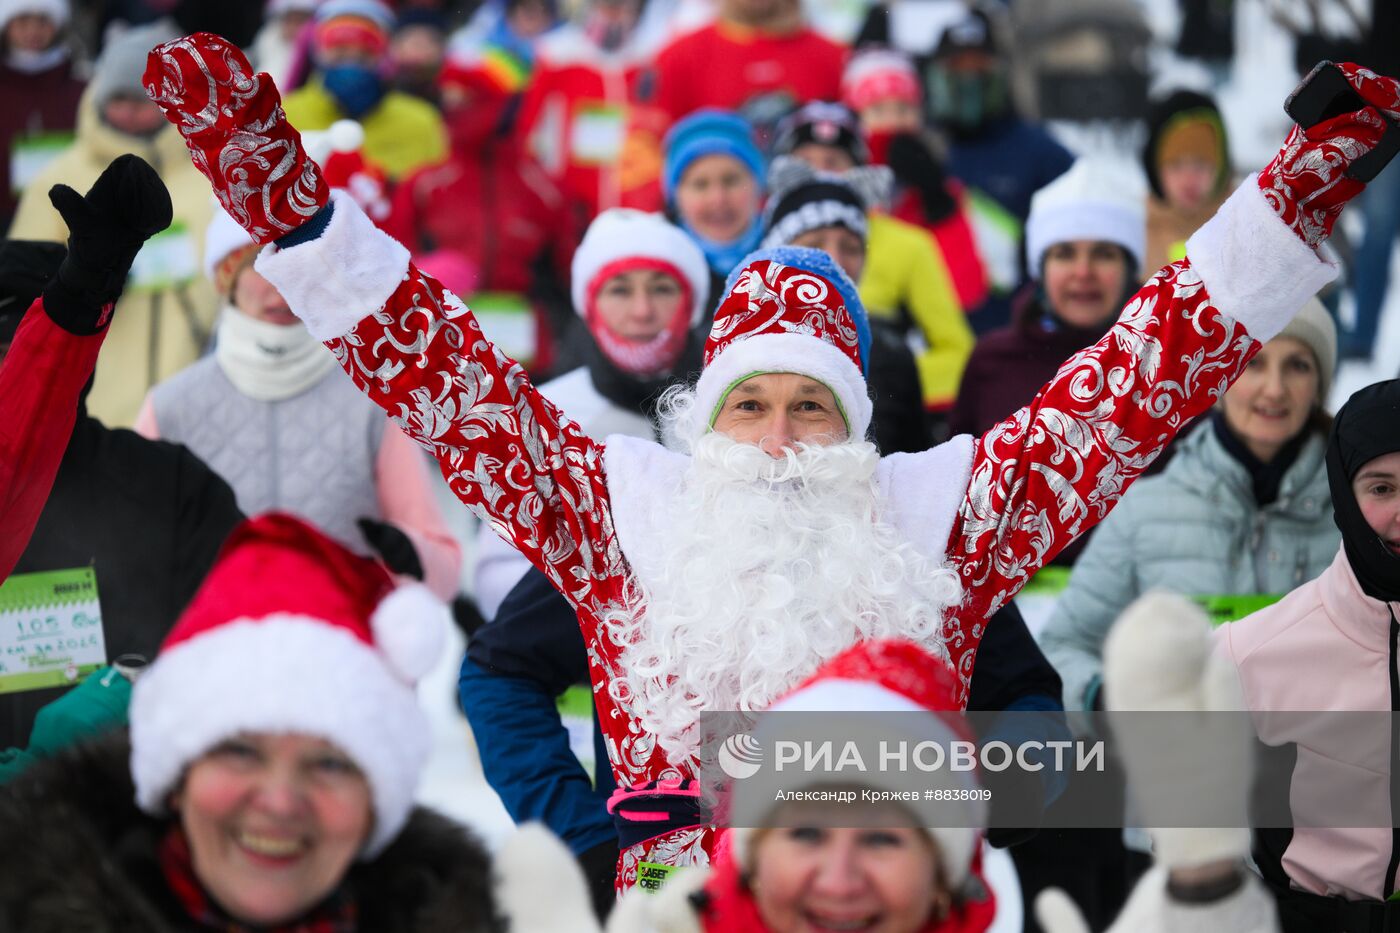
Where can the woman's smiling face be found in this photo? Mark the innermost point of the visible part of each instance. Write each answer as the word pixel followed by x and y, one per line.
pixel 273 823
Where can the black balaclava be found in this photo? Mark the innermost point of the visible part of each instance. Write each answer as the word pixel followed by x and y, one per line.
pixel 1367 427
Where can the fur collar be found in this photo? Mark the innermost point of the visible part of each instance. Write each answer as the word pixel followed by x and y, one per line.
pixel 77 854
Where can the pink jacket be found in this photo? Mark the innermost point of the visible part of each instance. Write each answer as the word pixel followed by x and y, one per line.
pixel 1326 647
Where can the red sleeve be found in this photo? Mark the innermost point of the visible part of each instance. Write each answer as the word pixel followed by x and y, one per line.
pixel 506 451
pixel 1055 468
pixel 40 381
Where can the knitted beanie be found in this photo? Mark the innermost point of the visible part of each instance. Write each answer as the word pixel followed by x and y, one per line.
pixel 1096 199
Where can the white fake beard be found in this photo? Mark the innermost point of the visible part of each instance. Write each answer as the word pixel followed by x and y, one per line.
pixel 772 567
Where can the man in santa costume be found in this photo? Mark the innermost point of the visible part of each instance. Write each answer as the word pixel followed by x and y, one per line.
pixel 719 577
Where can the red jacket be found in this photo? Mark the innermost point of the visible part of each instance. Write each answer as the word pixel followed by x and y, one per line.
pixel 586 119
pixel 40 381
pixel 765 76
pixel 494 206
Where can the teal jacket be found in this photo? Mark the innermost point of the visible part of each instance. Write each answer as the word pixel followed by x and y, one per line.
pixel 1193 529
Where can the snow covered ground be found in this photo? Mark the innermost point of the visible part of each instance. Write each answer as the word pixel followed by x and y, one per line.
pixel 1252 102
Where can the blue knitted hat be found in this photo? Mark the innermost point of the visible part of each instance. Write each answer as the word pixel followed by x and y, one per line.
pixel 709 132
pixel 819 263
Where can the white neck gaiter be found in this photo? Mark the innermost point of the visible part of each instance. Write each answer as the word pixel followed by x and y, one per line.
pixel 27 62
pixel 269 362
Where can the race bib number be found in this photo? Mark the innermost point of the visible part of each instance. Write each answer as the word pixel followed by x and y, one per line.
pixel 650 875
pixel 50 629
pixel 31 154
pixel 597 134
pixel 167 259
pixel 508 321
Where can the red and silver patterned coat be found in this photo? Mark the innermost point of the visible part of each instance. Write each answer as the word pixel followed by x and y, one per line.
pixel 995 508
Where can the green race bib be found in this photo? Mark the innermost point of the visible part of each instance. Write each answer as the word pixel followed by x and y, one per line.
pixel 50 629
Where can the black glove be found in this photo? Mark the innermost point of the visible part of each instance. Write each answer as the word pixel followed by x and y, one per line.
pixel 127 205
pixel 599 866
pixel 392 546
pixel 915 166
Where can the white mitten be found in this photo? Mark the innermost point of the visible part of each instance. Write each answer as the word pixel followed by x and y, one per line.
pixel 1159 658
pixel 539 886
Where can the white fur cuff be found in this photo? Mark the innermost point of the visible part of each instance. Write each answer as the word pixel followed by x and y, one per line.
pixel 342 276
pixel 1255 269
pixel 785 353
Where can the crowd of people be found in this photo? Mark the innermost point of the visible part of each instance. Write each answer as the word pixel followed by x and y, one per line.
pixel 779 373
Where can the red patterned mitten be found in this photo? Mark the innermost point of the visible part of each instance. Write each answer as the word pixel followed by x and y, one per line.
pixel 1307 183
pixel 236 132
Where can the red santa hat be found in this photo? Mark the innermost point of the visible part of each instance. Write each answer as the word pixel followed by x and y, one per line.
pixel 292 633
pixel 879 74
pixel 788 310
pixel 893 676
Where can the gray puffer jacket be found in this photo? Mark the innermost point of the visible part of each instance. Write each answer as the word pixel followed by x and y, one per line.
pixel 1193 529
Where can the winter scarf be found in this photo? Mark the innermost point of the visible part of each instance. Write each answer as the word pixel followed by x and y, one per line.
pixel 269 362
pixel 724 257
pixel 1366 427
pixel 1266 477
pixel 31 63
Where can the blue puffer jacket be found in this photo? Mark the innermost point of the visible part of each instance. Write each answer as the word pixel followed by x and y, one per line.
pixel 1194 529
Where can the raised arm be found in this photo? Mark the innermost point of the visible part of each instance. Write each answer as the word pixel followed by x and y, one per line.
pixel 410 345
pixel 55 349
pixel 1054 469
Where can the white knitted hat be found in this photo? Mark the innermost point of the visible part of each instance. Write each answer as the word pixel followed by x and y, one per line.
pixel 620 235
pixel 56 10
pixel 1097 199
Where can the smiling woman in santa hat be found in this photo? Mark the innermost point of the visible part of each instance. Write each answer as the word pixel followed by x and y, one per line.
pixel 718 573
pixel 275 746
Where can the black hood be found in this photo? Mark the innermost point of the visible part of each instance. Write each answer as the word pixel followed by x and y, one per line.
pixel 1367 427
pixel 1160 115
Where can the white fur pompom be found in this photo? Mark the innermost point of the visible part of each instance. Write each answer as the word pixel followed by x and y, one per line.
pixel 410 628
pixel 345 136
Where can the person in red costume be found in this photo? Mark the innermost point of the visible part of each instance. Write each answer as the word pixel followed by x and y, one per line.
pixel 52 355
pixel 492 205
pixel 759 58
pixel 586 113
pixel 721 578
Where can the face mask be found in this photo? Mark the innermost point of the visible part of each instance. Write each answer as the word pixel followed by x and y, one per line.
pixel 965 100
pixel 356 89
